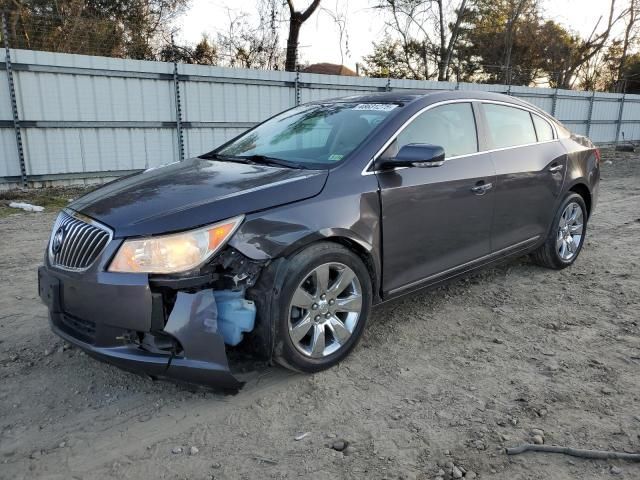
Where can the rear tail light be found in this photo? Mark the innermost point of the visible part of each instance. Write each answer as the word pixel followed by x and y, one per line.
pixel 597 152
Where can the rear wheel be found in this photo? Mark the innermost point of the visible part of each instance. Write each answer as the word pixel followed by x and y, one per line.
pixel 324 306
pixel 567 235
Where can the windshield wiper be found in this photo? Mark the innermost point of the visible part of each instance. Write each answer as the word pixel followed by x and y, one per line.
pixel 252 160
pixel 228 158
pixel 266 160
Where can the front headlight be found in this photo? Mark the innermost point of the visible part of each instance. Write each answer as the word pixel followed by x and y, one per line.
pixel 174 253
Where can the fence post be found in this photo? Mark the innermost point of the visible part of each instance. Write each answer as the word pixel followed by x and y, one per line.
pixel 620 112
pixel 590 114
pixel 297 85
pixel 12 98
pixel 176 90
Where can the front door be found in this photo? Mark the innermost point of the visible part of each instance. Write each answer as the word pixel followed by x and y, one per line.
pixel 436 220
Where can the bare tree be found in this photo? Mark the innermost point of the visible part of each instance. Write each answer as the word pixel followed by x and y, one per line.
pixel 631 16
pixel 589 48
pixel 517 7
pixel 339 18
pixel 296 19
pixel 453 38
pixel 245 45
pixel 415 21
pixel 402 18
pixel 118 28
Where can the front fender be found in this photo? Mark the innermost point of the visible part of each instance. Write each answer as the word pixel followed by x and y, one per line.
pixel 282 231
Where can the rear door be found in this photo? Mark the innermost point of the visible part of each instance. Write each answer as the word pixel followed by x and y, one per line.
pixel 436 219
pixel 530 166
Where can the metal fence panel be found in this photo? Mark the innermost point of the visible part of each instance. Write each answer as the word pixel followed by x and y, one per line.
pixel 603 132
pixel 9 166
pixel 579 128
pixel 544 103
pixel 630 130
pixel 56 150
pixel 202 140
pixel 572 108
pixel 5 101
pixel 631 110
pixel 89 115
pixel 606 110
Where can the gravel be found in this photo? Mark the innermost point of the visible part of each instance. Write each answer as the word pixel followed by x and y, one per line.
pixel 339 445
pixel 538 439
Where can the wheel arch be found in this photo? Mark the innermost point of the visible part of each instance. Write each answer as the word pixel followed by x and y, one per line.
pixel 366 257
pixel 583 190
pixel 359 247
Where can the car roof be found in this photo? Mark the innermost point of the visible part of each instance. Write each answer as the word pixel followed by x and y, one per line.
pixel 426 97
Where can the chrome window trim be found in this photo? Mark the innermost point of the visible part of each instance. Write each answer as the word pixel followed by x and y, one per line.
pixel 366 171
pixel 84 219
pixel 553 128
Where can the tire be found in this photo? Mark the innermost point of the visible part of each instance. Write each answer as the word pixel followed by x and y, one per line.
pixel 551 254
pixel 301 308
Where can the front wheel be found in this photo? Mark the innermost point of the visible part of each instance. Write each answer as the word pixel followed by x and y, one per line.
pixel 566 237
pixel 324 306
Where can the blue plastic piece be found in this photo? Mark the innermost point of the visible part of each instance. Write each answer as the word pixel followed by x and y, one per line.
pixel 235 315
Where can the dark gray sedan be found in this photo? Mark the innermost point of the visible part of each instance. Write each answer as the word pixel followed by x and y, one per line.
pixel 277 244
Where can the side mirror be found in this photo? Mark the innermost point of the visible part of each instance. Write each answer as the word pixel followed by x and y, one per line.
pixel 422 155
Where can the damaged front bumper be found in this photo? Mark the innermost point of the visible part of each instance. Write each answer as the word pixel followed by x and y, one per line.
pixel 117 318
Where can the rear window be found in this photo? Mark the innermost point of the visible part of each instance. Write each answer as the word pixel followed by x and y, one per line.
pixel 543 129
pixel 509 126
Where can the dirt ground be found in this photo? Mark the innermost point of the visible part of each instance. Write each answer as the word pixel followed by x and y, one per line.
pixel 449 376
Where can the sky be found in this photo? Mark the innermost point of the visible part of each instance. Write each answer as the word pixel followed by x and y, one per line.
pixel 319 36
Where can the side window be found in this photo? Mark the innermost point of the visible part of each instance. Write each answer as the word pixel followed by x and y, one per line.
pixel 451 126
pixel 509 126
pixel 543 129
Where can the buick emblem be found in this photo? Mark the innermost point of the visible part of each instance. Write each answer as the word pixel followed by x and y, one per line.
pixel 58 238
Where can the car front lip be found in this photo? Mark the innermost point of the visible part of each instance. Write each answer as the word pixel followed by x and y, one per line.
pixel 203 358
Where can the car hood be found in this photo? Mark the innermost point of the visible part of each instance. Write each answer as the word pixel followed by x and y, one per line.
pixel 195 192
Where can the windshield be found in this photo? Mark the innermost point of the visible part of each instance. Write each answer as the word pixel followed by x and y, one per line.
pixel 311 134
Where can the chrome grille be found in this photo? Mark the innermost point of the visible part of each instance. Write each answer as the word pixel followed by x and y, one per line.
pixel 76 241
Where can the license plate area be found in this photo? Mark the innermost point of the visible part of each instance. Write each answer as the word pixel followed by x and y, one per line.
pixel 49 290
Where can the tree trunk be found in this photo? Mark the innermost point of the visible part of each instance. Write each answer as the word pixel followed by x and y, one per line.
pixel 442 68
pixel 453 38
pixel 296 19
pixel 292 43
pixel 625 46
pixel 509 35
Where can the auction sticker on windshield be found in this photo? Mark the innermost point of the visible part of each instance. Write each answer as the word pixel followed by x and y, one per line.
pixel 379 107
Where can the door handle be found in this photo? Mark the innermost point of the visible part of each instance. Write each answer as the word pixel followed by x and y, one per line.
pixel 556 168
pixel 482 188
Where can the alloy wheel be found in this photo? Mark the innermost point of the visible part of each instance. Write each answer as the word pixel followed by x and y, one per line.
pixel 325 310
pixel 570 231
